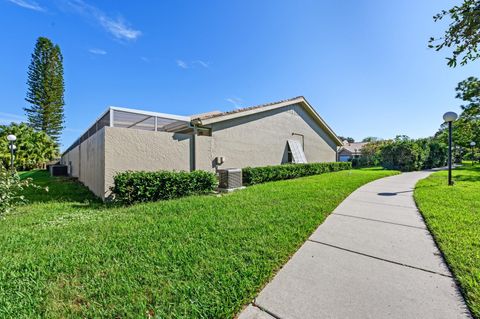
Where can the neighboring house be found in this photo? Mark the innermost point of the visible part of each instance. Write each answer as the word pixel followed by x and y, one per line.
pixel 270 134
pixel 349 151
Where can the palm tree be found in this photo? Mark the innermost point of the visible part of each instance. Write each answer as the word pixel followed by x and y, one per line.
pixel 34 148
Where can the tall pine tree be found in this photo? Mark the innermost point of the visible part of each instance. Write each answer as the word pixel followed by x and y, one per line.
pixel 45 89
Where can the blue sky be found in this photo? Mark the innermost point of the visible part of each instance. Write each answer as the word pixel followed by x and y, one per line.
pixel 364 65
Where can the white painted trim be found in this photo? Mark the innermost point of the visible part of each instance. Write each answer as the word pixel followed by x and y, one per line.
pixel 111 117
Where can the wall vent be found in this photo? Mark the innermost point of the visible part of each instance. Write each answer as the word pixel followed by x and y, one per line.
pixel 229 178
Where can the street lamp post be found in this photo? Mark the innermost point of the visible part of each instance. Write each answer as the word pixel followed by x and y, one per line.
pixel 11 138
pixel 449 117
pixel 472 145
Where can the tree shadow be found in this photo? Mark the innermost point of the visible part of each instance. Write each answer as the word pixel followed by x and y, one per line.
pixel 466 178
pixel 393 193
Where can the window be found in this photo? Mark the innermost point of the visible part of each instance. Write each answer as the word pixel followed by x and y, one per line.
pixel 289 155
pixel 296 152
pixel 344 158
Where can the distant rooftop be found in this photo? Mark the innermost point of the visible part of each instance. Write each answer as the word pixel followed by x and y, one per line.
pixel 353 148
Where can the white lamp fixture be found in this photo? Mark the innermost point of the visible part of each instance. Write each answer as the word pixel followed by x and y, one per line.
pixel 472 143
pixel 11 138
pixel 450 116
pixel 14 147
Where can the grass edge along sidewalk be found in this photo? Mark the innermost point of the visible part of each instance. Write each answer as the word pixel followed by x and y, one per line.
pixel 200 256
pixel 452 214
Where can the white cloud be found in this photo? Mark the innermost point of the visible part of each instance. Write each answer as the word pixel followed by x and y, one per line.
pixel 97 51
pixel 117 27
pixel 182 64
pixel 202 63
pixel 236 101
pixel 145 59
pixel 27 4
pixel 186 65
pixel 7 118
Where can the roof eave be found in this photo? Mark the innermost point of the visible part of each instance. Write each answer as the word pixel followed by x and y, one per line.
pixel 231 116
pixel 299 100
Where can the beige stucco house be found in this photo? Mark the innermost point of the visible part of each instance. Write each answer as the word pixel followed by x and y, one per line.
pixel 270 134
pixel 348 151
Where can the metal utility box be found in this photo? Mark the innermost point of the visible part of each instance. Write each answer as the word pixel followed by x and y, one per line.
pixel 229 178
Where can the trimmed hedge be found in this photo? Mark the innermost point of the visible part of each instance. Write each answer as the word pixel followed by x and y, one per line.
pixel 257 175
pixel 133 187
pixel 407 154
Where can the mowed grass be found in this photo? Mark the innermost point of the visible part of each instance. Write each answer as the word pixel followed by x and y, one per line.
pixel 196 257
pixel 452 214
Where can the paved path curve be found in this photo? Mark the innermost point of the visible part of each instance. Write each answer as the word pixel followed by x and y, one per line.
pixel 372 258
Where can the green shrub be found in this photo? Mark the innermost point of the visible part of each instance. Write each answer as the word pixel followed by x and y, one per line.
pixel 257 175
pixel 437 153
pixel 407 154
pixel 11 189
pixel 132 187
pixel 403 154
pixel 371 155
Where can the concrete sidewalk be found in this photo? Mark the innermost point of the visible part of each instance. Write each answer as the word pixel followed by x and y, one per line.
pixel 372 258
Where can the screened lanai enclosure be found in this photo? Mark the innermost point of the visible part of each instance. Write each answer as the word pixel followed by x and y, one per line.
pixel 135 119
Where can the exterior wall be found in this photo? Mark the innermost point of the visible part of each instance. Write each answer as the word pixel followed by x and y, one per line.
pixel 136 150
pixel 72 158
pixel 261 139
pixel 87 162
pixel 255 140
pixel 92 162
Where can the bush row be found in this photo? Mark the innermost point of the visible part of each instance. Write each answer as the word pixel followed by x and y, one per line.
pixel 132 187
pixel 256 175
pixel 404 154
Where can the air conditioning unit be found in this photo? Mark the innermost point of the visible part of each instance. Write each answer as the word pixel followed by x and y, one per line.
pixel 229 179
pixel 58 170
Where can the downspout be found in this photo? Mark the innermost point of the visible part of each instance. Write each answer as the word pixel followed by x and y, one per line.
pixel 194 148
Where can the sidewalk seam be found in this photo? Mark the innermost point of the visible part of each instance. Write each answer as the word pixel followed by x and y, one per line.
pixel 378 258
pixel 381 221
pixel 266 311
pixel 377 203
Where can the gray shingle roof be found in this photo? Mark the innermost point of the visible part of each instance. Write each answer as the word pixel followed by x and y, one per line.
pixel 217 114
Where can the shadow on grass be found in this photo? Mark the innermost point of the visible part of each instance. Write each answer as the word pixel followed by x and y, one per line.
pixel 467 173
pixel 60 189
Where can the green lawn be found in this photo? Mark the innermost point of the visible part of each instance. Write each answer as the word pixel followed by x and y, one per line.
pixel 453 216
pixel 66 255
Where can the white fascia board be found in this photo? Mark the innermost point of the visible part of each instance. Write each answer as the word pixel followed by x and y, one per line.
pixel 162 115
